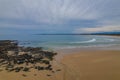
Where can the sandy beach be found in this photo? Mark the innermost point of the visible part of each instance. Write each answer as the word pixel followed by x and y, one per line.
pixel 94 64
pixel 76 65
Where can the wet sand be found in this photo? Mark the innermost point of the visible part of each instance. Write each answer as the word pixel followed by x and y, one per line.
pixel 83 64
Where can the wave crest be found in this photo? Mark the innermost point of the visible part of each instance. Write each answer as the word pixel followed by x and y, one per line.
pixel 89 41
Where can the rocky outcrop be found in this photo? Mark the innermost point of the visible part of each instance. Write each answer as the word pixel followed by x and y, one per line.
pixel 16 58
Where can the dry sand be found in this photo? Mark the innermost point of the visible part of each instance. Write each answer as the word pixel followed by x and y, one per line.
pixel 95 64
pixel 79 65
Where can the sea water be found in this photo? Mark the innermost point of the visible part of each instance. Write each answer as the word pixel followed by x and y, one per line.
pixel 63 41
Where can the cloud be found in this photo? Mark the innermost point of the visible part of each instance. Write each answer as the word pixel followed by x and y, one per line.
pixel 52 11
pixel 60 15
pixel 97 29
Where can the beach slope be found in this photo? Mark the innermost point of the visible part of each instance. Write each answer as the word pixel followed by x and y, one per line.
pixel 94 64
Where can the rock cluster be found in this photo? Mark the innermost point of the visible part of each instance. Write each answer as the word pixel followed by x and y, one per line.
pixel 16 58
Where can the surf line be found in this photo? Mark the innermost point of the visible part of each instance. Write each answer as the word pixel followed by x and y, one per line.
pixel 92 40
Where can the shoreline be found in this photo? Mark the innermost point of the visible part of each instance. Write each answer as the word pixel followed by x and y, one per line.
pixel 72 50
pixel 76 64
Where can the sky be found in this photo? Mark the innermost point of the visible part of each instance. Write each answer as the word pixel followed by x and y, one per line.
pixel 59 16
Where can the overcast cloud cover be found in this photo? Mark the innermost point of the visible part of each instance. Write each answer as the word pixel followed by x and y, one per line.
pixel 59 16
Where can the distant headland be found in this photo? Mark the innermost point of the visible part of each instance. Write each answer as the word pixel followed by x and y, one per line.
pixel 97 33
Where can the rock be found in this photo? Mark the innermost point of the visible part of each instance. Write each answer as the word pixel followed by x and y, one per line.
pixel 11 54
pixel 35 74
pixel 58 70
pixel 24 75
pixel 26 69
pixel 17 69
pixel 49 75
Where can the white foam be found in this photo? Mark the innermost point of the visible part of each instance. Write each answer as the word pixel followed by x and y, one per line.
pixel 111 40
pixel 89 46
pixel 89 41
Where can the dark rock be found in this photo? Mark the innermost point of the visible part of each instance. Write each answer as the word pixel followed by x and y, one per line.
pixel 58 70
pixel 17 69
pixel 32 55
pixel 49 75
pixel 9 70
pixel 24 75
pixel 40 68
pixel 46 61
pixel 53 71
pixel 35 74
pixel 26 69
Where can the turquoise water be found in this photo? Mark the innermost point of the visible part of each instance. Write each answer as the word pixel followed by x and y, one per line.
pixel 63 41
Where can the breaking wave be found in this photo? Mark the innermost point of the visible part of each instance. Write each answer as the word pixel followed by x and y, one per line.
pixel 89 41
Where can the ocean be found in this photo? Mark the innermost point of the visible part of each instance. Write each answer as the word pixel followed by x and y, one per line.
pixel 63 41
